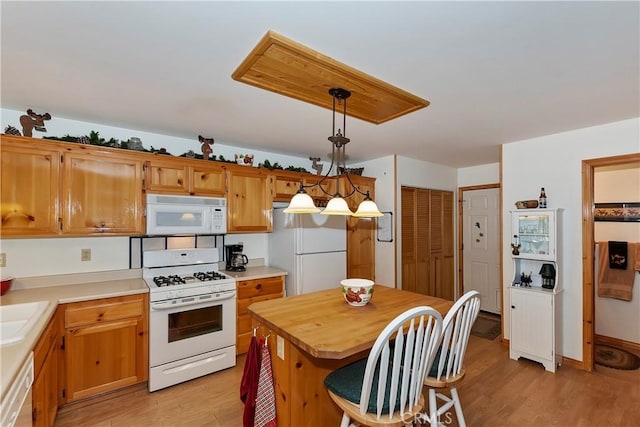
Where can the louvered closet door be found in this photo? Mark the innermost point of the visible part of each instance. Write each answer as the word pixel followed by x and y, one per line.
pixel 408 204
pixel 423 238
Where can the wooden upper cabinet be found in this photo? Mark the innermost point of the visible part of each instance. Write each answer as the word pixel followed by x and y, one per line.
pixel 30 188
pixel 166 176
pixel 208 180
pixel 285 184
pixel 183 176
pixel 102 194
pixel 329 186
pixel 249 200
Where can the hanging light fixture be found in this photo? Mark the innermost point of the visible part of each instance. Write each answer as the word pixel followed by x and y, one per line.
pixel 303 203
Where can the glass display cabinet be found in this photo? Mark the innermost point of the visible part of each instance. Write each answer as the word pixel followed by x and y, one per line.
pixel 535 292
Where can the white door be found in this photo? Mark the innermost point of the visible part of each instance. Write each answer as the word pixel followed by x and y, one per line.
pixel 481 266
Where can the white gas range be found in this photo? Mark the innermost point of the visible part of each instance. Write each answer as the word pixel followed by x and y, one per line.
pixel 192 328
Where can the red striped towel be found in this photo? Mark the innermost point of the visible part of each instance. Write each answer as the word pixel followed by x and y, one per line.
pixel 265 399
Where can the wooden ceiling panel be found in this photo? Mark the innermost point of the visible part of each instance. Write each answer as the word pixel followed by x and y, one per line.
pixel 289 68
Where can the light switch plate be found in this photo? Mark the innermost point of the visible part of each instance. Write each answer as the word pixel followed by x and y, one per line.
pixel 280 347
pixel 85 254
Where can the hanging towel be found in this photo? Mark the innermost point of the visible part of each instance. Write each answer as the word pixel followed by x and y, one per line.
pixel 249 383
pixel 613 283
pixel 265 400
pixel 618 255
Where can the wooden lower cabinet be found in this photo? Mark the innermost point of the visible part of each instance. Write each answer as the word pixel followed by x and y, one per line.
pixel 106 345
pixel 250 291
pixel 45 383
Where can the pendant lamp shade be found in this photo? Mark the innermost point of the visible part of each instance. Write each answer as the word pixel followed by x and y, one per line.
pixel 367 209
pixel 301 203
pixel 337 206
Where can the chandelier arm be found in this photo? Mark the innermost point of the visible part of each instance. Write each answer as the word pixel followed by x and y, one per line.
pixel 355 188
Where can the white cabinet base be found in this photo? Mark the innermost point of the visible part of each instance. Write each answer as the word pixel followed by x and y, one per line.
pixel 535 332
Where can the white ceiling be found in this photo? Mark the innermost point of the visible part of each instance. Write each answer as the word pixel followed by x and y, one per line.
pixel 494 72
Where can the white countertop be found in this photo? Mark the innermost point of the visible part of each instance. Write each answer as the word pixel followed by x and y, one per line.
pixel 13 355
pixel 257 272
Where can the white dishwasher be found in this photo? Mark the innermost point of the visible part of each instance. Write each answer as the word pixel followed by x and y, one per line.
pixel 15 409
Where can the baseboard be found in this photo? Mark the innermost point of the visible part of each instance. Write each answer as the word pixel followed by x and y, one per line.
pixel 573 363
pixel 617 342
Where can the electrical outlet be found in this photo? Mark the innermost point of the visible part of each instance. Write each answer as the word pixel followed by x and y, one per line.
pixel 3 260
pixel 85 254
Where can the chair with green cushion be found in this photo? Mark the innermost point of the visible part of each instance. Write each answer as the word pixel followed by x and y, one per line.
pixel 447 369
pixel 386 388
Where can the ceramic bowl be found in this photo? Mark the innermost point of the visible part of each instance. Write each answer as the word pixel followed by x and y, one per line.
pixel 6 285
pixel 357 292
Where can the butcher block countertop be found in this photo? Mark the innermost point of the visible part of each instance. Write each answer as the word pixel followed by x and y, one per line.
pixel 323 325
pixel 62 289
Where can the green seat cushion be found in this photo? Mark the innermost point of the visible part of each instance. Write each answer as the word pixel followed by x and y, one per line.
pixel 346 382
pixel 433 372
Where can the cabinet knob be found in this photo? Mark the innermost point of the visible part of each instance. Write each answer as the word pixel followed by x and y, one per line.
pixel 259 286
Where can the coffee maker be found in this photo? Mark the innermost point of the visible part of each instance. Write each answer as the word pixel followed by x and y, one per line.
pixel 236 260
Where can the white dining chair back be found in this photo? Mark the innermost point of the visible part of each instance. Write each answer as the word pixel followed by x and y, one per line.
pixel 396 367
pixel 448 369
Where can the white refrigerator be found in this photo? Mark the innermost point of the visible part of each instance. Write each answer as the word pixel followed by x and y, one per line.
pixel 312 248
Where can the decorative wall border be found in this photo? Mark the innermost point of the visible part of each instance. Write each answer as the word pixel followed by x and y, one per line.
pixel 618 212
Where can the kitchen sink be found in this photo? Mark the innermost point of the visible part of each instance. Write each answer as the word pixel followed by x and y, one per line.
pixel 16 320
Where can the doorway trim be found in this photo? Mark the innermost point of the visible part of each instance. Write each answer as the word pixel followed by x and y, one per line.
pixel 588 256
pixel 461 190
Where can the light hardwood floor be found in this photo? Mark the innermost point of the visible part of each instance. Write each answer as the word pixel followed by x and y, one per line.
pixel 497 391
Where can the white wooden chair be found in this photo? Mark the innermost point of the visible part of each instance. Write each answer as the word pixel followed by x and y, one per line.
pixel 386 388
pixel 447 369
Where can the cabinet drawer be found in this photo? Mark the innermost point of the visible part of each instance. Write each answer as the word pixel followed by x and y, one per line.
pixel 86 313
pixel 258 287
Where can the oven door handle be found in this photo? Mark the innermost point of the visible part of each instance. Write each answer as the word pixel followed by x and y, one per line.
pixel 166 305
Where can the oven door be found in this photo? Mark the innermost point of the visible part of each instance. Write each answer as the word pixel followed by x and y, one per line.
pixel 190 326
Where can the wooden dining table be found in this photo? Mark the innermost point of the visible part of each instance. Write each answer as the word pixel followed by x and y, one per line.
pixel 313 334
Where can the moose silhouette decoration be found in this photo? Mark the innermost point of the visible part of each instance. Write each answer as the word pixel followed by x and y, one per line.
pixel 206 146
pixel 31 121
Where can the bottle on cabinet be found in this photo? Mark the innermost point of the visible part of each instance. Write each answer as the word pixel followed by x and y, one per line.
pixel 542 200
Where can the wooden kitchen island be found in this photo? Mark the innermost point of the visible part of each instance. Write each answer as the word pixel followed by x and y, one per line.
pixel 311 335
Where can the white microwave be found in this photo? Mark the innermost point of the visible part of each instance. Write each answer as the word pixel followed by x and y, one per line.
pixel 180 215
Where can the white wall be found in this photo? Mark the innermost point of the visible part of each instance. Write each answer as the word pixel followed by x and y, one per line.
pixel 384 171
pixel 420 174
pixel 555 162
pixel 479 175
pixel 621 183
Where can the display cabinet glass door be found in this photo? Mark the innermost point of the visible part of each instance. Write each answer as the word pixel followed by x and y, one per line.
pixel 536 234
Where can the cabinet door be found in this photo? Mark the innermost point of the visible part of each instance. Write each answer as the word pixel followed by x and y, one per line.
pixel 536 231
pixel 316 193
pixel 45 388
pixel 166 177
pixel 103 194
pixel 285 185
pixel 360 232
pixel 30 189
pixel 249 200
pixel 103 357
pixel 531 323
pixel 208 180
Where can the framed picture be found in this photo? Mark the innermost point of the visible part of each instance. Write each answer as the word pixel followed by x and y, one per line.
pixel 618 212
pixel 385 227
